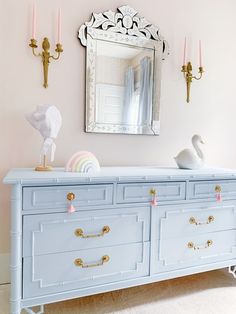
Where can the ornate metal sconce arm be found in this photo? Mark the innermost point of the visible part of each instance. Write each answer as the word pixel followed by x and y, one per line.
pixel 59 50
pixel 33 45
pixel 45 55
pixel 200 72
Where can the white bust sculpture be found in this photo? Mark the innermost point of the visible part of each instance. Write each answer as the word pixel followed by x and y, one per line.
pixel 47 120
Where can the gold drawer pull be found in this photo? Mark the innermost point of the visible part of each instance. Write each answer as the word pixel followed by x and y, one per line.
pixel 217 188
pixel 79 262
pixel 153 193
pixel 80 233
pixel 210 219
pixel 191 245
pixel 70 196
pixel 218 193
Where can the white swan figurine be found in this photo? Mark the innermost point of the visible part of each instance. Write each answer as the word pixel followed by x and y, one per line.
pixel 188 158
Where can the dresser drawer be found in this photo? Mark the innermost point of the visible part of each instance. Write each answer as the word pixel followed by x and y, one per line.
pixel 60 272
pixel 50 197
pixel 62 232
pixel 208 189
pixel 192 219
pixel 140 192
pixel 190 251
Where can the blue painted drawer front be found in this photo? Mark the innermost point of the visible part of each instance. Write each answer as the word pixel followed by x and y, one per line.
pixel 177 220
pixel 51 233
pixel 174 253
pixel 53 273
pixel 51 197
pixel 206 189
pixel 140 192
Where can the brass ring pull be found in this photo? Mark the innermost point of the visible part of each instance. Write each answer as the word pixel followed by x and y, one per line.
pixel 210 219
pixel 191 245
pixel 70 196
pixel 217 188
pixel 153 192
pixel 79 262
pixel 80 233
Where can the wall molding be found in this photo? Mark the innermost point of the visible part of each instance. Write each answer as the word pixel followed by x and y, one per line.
pixel 4 268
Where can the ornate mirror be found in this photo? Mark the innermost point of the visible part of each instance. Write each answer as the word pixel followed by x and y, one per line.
pixel 123 72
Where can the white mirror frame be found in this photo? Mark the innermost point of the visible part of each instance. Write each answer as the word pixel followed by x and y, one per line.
pixel 123 27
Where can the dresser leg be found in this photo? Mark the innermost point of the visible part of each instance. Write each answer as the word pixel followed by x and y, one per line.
pixel 15 264
pixel 232 270
pixel 41 310
pixel 15 307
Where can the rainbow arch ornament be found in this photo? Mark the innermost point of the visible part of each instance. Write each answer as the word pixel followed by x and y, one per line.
pixel 83 161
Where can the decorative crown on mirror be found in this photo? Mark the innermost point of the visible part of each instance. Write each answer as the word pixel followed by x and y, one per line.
pixel 125 21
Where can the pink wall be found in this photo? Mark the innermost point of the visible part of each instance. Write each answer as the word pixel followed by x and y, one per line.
pixel 211 113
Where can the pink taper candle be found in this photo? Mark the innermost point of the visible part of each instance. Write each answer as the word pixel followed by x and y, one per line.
pixel 200 53
pixel 34 22
pixel 185 44
pixel 59 27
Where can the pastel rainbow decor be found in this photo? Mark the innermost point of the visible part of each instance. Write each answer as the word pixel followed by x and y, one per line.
pixel 83 161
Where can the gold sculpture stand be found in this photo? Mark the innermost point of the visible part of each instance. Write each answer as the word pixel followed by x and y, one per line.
pixel 44 166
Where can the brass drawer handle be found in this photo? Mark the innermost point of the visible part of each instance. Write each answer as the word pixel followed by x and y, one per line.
pixel 217 188
pixel 191 245
pixel 210 219
pixel 80 233
pixel 153 192
pixel 79 262
pixel 70 196
pixel 218 193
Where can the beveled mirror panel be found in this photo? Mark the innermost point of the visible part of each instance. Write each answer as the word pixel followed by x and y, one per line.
pixel 123 73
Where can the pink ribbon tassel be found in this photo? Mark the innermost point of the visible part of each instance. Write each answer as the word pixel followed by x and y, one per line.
pixel 218 197
pixel 154 201
pixel 71 208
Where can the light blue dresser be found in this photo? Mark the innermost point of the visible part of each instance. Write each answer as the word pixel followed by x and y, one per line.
pixel 117 237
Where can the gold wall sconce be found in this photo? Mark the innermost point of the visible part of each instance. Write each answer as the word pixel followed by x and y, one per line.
pixel 187 70
pixel 45 55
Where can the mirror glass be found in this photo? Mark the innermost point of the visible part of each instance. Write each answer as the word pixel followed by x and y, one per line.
pixel 124 54
pixel 124 81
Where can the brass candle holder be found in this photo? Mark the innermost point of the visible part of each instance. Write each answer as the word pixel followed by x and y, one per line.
pixel 45 55
pixel 187 71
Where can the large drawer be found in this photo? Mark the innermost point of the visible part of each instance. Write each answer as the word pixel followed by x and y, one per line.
pixel 53 273
pixel 192 219
pixel 53 197
pixel 61 232
pixel 140 192
pixel 208 189
pixel 176 253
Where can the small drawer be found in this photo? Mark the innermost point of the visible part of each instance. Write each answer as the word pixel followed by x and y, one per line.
pixel 141 192
pixel 209 189
pixel 55 273
pixel 54 197
pixel 190 251
pixel 62 232
pixel 192 219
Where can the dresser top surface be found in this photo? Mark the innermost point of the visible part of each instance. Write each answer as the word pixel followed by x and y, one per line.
pixel 27 176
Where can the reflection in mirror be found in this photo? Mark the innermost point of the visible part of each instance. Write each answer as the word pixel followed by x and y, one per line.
pixel 124 80
pixel 124 54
